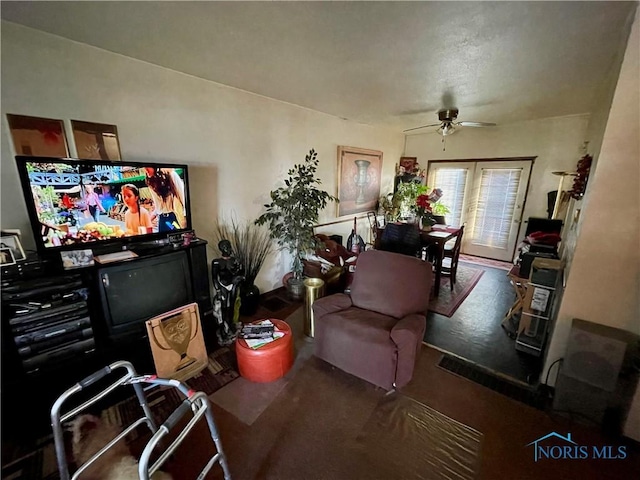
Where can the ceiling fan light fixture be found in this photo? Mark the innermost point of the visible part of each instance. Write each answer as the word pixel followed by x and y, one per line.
pixel 446 129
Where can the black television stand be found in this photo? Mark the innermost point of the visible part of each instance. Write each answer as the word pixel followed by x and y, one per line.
pixel 150 245
pixel 36 364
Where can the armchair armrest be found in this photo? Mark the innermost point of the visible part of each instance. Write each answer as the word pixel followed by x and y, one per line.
pixel 330 304
pixel 407 334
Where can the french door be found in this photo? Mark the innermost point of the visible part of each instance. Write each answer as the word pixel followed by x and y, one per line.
pixel 488 198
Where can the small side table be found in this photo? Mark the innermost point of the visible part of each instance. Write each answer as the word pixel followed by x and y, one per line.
pixel 520 287
pixel 269 362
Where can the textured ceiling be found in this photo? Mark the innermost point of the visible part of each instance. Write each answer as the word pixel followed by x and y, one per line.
pixel 381 63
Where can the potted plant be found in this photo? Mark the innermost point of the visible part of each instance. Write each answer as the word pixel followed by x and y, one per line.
pixel 404 200
pixel 439 211
pixel 293 212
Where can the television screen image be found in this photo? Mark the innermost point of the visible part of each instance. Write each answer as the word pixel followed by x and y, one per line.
pixel 75 202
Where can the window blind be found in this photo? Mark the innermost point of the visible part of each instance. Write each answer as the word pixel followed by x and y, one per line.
pixel 453 182
pixel 495 206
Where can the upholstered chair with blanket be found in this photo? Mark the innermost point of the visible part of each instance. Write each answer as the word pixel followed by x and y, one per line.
pixel 376 331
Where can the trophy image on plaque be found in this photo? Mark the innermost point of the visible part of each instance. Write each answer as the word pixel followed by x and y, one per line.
pixel 177 333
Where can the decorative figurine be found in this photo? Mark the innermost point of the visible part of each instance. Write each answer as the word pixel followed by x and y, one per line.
pixel 227 274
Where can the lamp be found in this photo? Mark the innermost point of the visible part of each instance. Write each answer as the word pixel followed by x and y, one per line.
pixel 446 129
pixel 562 175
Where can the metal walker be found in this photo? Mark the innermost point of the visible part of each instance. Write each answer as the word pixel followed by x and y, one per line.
pixel 196 402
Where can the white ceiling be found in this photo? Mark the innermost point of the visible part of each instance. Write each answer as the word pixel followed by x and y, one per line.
pixel 381 63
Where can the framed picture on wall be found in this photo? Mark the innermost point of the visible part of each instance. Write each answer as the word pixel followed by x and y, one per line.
pixel 41 137
pixel 96 141
pixel 408 163
pixel 359 172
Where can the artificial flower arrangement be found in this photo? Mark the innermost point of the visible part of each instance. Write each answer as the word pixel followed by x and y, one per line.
pixel 424 206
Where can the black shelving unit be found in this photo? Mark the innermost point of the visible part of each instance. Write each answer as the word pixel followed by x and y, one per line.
pixel 539 303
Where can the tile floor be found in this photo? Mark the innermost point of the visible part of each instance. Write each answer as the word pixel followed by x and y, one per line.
pixel 474 332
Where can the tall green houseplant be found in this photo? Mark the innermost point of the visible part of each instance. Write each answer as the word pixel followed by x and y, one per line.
pixel 294 210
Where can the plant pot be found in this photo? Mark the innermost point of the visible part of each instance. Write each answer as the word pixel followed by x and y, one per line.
pixel 295 288
pixel 249 299
pixel 423 224
pixel 285 279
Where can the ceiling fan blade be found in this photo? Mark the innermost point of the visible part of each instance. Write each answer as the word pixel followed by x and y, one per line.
pixel 423 126
pixel 476 124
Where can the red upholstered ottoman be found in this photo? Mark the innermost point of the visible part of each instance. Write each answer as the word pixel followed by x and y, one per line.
pixel 268 362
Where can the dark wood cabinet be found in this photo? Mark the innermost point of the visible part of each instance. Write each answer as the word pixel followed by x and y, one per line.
pixel 58 326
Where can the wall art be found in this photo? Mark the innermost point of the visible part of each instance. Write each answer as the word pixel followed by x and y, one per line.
pixel 96 141
pixel 41 137
pixel 359 172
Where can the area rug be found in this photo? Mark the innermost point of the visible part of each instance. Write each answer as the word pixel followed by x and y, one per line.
pixel 221 370
pixel 448 301
pixel 263 394
pixel 495 381
pixel 486 262
pixel 38 464
pixel 406 439
pixel 38 461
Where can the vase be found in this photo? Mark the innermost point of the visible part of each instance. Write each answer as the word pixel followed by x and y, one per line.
pixel 424 224
pixel 249 298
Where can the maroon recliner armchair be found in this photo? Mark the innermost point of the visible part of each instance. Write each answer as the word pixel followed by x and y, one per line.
pixel 375 333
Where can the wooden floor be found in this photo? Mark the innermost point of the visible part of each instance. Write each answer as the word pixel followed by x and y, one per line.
pixel 301 432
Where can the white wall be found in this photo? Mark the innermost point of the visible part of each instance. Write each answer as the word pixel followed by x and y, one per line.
pixel 556 142
pixel 604 282
pixel 238 145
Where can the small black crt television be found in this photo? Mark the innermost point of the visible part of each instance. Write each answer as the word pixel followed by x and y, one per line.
pixel 134 291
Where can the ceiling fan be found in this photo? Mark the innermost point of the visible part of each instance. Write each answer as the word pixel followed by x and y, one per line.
pixel 447 124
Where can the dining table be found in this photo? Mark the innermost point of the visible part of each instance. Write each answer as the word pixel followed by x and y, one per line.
pixel 437 236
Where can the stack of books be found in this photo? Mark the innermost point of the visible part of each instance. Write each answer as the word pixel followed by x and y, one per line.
pixel 258 334
pixel 257 331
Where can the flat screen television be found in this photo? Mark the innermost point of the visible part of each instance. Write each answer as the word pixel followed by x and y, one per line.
pixel 75 203
pixel 135 291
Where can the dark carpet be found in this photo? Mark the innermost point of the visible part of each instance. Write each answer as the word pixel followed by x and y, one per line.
pixel 530 396
pixel 327 424
pixel 37 460
pixel 276 300
pixel 406 439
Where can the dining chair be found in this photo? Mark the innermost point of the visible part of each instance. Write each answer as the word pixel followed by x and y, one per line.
pixel 401 238
pixel 451 257
pixel 375 221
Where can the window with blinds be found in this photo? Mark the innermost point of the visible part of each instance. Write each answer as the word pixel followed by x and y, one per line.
pixel 496 201
pixel 453 182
